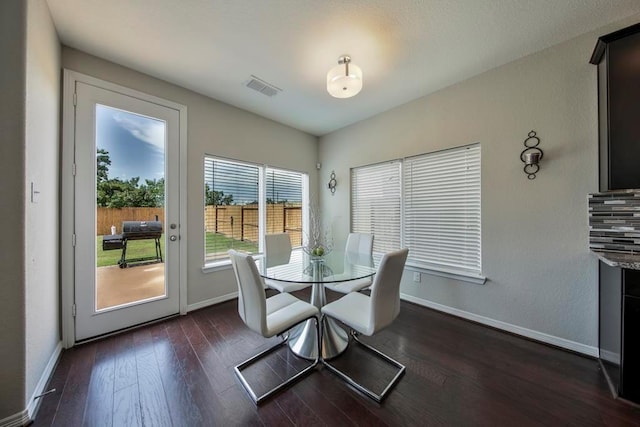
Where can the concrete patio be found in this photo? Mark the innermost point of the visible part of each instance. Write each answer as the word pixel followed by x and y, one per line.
pixel 116 286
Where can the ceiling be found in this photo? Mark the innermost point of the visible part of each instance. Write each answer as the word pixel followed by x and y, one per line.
pixel 406 48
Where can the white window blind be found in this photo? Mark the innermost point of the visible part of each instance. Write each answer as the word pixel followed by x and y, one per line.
pixel 442 209
pixel 375 204
pixel 231 207
pixel 284 186
pixel 237 213
pixel 284 193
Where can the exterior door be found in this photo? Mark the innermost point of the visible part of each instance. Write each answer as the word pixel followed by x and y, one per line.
pixel 126 254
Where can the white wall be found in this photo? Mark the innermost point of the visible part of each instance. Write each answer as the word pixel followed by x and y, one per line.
pixel 42 168
pixel 29 125
pixel 213 128
pixel 12 111
pixel 541 277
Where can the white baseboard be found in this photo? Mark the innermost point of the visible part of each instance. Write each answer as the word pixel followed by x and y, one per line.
pixel 610 356
pixel 25 417
pixel 529 333
pixel 16 420
pixel 34 403
pixel 211 301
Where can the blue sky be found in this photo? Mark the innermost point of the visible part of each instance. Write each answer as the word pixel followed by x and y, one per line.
pixel 135 143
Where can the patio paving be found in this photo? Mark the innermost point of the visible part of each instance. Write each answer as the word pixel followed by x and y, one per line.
pixel 116 286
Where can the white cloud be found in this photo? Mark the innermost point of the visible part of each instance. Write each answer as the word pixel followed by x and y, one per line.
pixel 149 130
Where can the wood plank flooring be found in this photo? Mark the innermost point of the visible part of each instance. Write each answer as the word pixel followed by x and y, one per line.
pixel 179 373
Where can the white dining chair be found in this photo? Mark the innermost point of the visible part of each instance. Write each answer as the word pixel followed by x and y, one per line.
pixel 268 317
pixel 358 250
pixel 361 243
pixel 368 315
pixel 277 251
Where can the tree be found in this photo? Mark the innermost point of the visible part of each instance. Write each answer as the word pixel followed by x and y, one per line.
pixel 216 198
pixel 117 193
pixel 103 160
pixel 271 201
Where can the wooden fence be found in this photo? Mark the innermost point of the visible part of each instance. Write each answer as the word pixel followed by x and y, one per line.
pixel 241 222
pixel 106 217
pixel 237 222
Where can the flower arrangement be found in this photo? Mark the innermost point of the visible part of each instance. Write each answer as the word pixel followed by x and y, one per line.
pixel 318 240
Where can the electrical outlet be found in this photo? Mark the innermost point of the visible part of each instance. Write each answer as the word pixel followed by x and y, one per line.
pixel 416 277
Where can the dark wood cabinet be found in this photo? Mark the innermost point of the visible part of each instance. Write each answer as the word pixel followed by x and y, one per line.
pixel 630 366
pixel 619 329
pixel 610 325
pixel 617 56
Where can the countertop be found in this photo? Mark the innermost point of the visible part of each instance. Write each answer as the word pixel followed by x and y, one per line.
pixel 615 259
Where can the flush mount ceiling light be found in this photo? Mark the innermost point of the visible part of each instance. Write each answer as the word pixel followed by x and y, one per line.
pixel 345 79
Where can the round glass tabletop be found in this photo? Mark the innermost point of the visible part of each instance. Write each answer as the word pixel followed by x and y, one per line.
pixel 334 267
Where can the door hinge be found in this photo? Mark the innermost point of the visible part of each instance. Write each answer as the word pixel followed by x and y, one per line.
pixel 73 310
pixel 75 99
pixel 73 240
pixel 73 169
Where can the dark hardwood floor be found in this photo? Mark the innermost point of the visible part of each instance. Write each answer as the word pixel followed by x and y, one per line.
pixel 179 372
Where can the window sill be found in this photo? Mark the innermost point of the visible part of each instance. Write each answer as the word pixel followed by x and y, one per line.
pixel 217 266
pixel 224 264
pixel 476 279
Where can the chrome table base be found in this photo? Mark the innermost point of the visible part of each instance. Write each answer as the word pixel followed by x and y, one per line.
pixel 303 341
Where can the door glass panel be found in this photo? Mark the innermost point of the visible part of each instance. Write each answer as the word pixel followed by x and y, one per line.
pixel 130 208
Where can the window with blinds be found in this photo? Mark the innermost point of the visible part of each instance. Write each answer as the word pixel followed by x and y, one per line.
pixel 232 202
pixel 284 194
pixel 375 204
pixel 442 209
pixel 231 207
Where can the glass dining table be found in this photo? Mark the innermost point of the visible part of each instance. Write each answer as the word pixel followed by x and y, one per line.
pixel 317 271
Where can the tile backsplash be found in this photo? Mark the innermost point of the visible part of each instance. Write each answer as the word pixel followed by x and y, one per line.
pixel 614 221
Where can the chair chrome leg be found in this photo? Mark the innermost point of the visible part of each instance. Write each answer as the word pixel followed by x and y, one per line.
pixel 259 399
pixel 377 397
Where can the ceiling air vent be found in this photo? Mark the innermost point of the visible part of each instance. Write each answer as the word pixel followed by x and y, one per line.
pixel 263 87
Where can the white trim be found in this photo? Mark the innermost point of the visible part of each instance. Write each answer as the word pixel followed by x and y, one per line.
pixel 67 218
pixel 16 420
pixel 34 403
pixel 518 330
pixel 450 274
pixel 67 221
pixel 262 206
pixel 212 301
pixel 217 266
pixel 182 292
pixel 225 264
pixel 26 416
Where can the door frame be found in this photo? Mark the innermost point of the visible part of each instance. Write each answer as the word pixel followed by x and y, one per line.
pixel 67 199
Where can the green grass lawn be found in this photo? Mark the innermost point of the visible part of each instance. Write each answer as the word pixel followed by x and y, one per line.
pixel 135 249
pixel 216 244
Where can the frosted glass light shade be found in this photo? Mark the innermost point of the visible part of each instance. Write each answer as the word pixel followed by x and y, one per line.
pixel 345 79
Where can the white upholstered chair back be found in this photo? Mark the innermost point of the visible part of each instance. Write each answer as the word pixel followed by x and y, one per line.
pixel 277 249
pixel 359 243
pixel 385 291
pixel 252 306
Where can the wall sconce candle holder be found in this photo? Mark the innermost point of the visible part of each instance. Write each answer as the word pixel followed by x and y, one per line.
pixel 332 183
pixel 531 155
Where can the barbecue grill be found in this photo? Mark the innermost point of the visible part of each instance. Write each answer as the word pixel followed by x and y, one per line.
pixel 135 230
